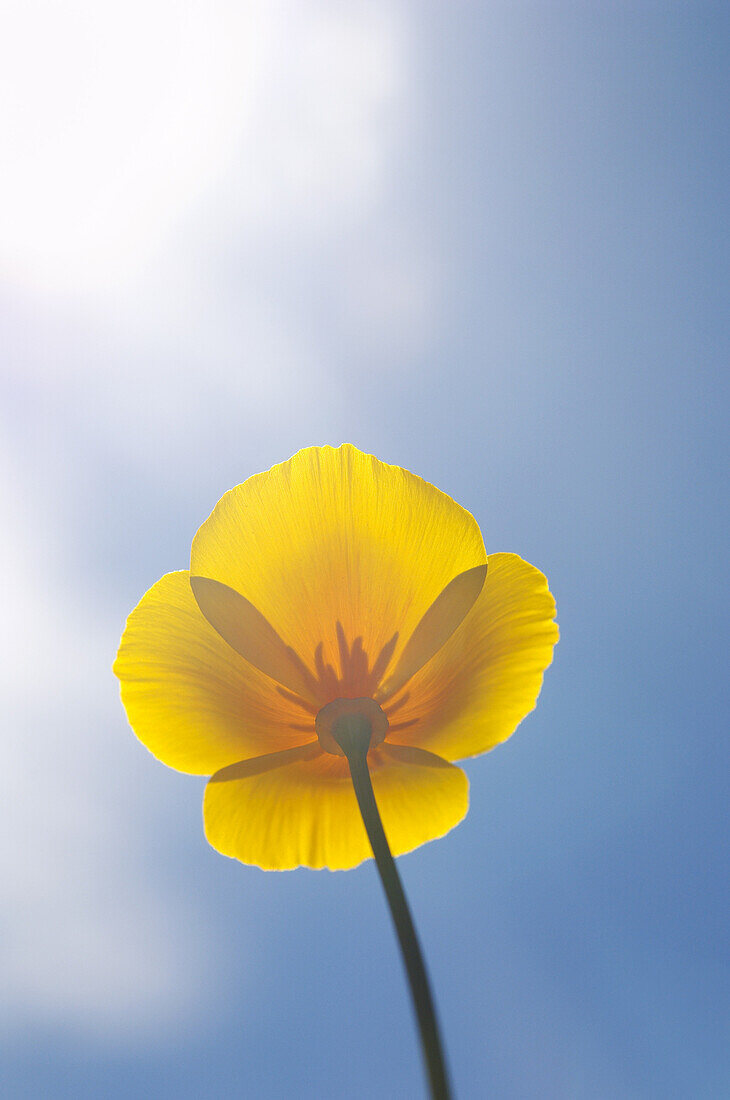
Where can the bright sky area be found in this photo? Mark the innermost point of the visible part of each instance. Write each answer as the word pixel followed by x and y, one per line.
pixel 487 243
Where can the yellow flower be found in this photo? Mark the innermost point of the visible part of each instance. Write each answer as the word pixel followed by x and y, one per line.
pixel 333 576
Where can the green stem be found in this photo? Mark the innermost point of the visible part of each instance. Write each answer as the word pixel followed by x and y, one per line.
pixel 355 748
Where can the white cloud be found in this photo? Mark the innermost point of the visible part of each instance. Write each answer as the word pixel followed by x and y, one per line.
pixel 196 213
pixel 86 935
pixel 176 179
pixel 119 119
pixel 115 117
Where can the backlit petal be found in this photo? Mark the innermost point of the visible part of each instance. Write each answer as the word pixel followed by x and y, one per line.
pixel 335 535
pixel 438 624
pixel 487 676
pixel 245 629
pixel 299 809
pixel 194 702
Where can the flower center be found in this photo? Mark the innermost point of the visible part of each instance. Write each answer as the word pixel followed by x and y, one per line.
pixel 361 718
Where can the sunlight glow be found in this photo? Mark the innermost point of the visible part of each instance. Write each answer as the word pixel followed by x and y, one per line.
pixel 124 114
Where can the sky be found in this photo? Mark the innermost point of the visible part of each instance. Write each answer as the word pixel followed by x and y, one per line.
pixel 486 242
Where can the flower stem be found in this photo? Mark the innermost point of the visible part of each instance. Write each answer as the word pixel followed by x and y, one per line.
pixel 355 749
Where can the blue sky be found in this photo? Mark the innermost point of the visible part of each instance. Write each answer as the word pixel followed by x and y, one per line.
pixel 488 243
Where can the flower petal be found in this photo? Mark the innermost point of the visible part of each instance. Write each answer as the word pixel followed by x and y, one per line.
pixel 245 629
pixel 487 676
pixel 334 535
pixel 194 702
pixel 298 808
pixel 435 628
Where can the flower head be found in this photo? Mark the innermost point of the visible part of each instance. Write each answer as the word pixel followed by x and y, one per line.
pixel 331 584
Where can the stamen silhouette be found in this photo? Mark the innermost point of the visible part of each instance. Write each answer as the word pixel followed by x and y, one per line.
pixel 357 679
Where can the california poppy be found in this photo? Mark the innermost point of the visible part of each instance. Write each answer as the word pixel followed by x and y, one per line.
pixel 334 589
